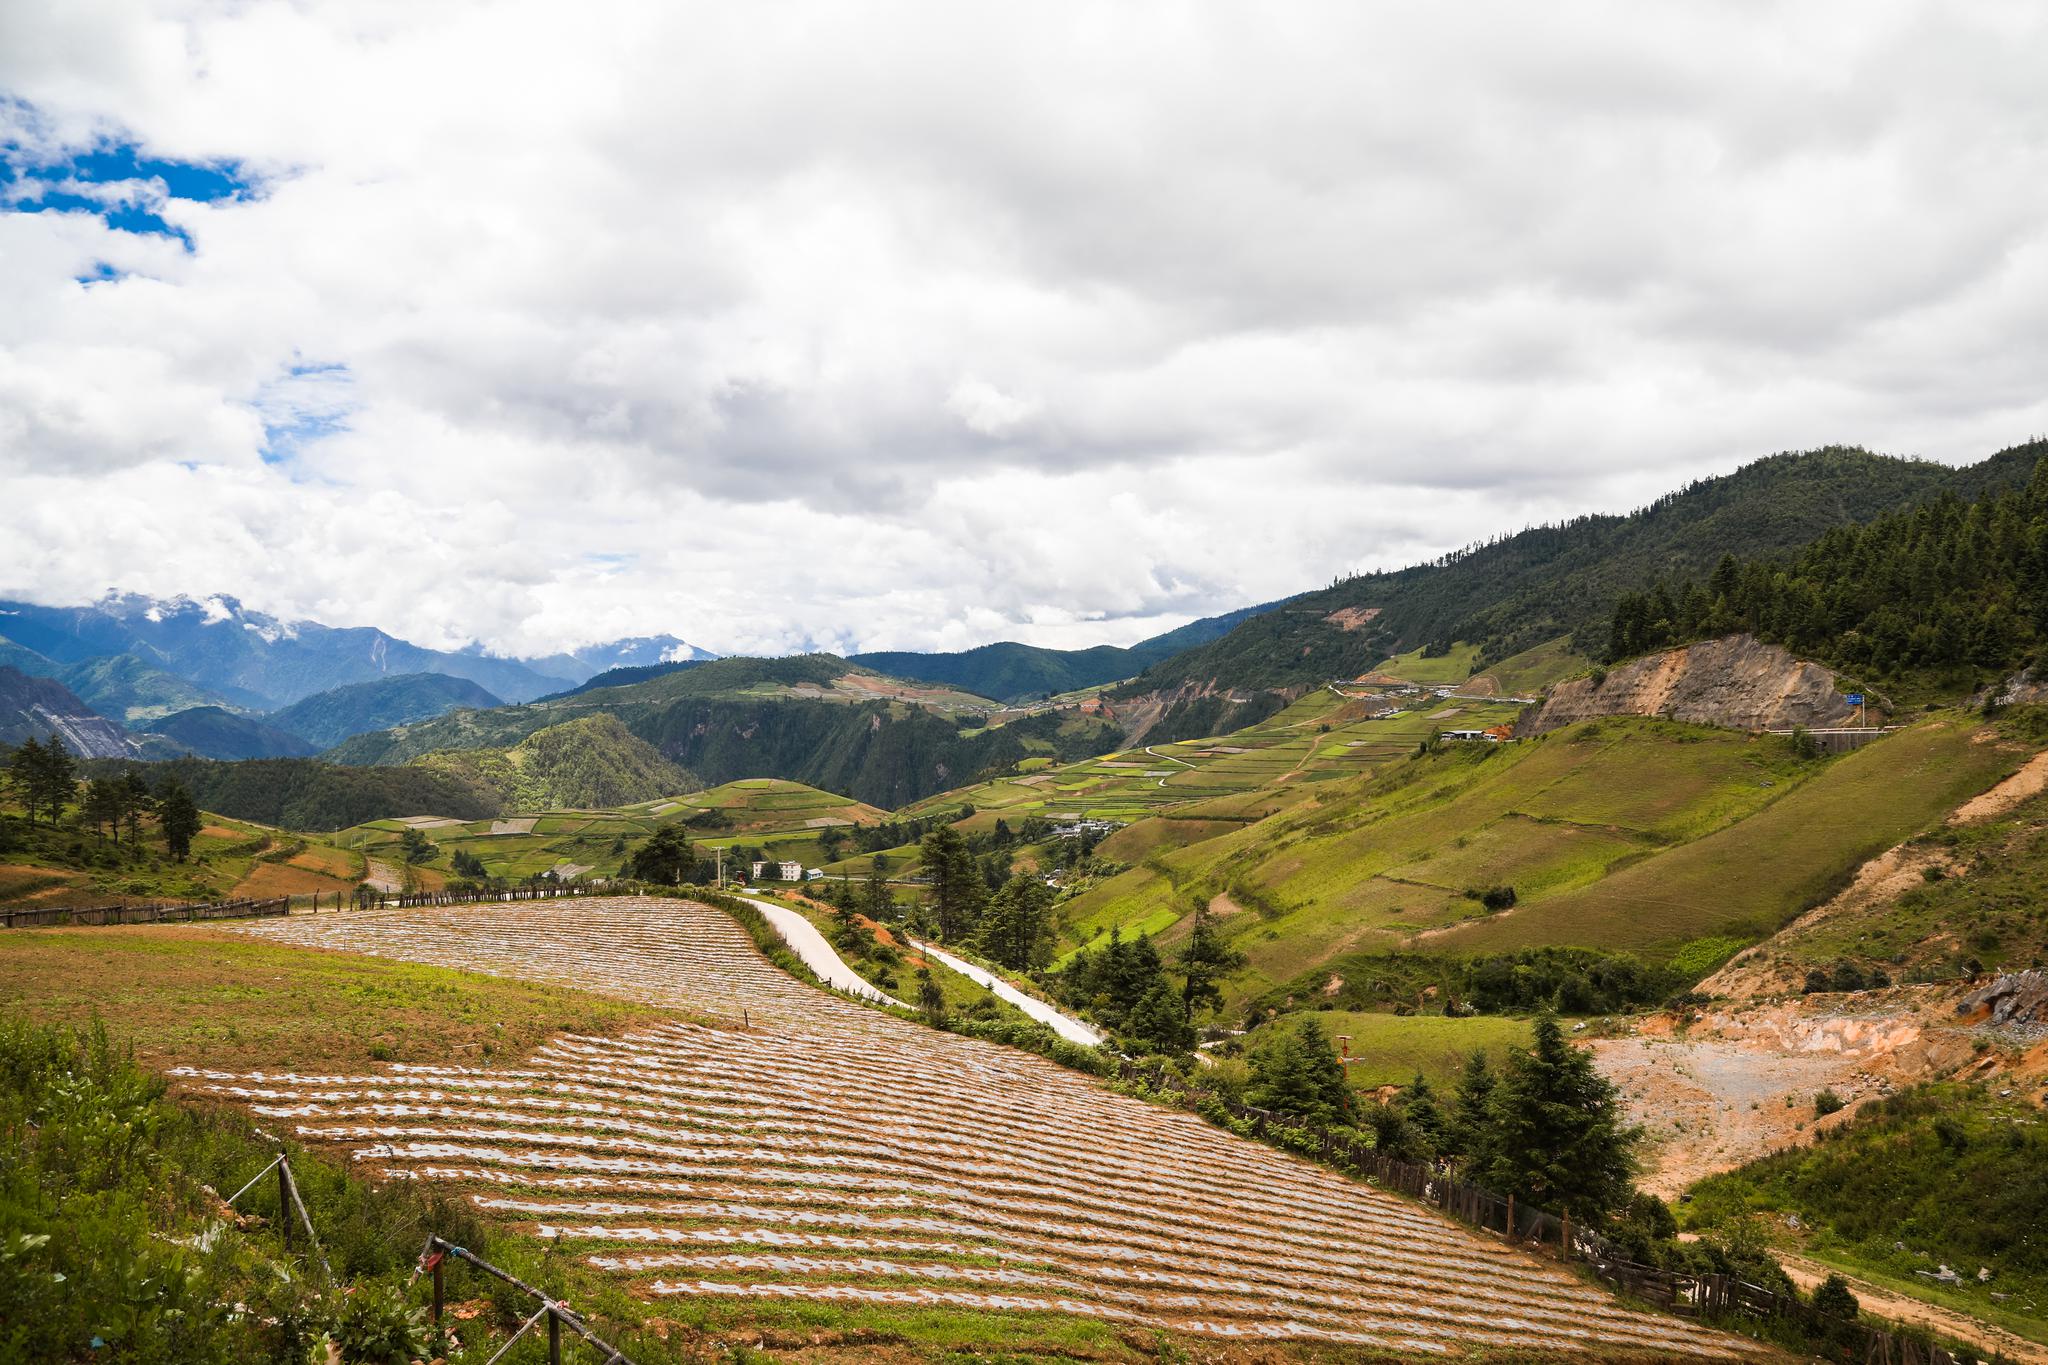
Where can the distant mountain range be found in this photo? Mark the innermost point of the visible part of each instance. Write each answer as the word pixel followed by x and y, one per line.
pixel 893 726
pixel 211 678
pixel 258 662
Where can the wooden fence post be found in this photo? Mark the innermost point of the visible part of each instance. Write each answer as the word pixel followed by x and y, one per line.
pixel 1511 1218
pixel 440 1258
pixel 284 1201
pixel 554 1337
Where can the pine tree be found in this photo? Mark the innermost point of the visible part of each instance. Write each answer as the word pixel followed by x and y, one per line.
pixel 1561 1142
pixel 876 902
pixel 930 998
pixel 179 818
pixel 135 803
pixel 665 859
pixel 1157 1022
pixel 1469 1134
pixel 1299 1074
pixel 1428 1122
pixel 55 778
pixel 959 889
pixel 23 772
pixel 1204 961
pixel 101 808
pixel 1017 930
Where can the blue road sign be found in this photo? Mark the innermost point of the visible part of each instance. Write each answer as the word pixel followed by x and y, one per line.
pixel 1855 699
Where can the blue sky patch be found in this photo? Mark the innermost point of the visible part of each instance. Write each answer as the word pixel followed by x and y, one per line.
pixel 66 186
pixel 310 400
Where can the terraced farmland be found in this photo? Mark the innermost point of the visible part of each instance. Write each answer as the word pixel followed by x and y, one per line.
pixel 1242 776
pixel 781 817
pixel 830 1155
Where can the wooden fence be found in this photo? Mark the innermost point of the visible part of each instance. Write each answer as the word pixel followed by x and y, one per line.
pixel 168 912
pixel 154 913
pixel 1722 1299
pixel 510 893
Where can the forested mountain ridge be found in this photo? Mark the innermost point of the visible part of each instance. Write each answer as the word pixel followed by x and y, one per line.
pixel 586 763
pixel 308 795
pixel 327 718
pixel 133 691
pixel 1010 671
pixel 216 732
pixel 1942 598
pixel 1548 581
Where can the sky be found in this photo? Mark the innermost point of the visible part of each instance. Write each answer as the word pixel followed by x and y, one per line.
pixel 789 325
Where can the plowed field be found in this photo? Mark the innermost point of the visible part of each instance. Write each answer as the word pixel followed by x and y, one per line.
pixel 823 1151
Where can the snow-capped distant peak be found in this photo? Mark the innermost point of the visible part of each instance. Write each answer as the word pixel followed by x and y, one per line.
pixel 216 611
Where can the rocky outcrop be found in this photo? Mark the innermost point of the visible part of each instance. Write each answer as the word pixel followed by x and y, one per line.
pixel 2017 998
pixel 2030 684
pixel 36 708
pixel 1738 682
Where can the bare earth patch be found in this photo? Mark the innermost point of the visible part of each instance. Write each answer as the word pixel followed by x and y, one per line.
pixel 1740 1083
pixel 1352 618
pixel 2030 781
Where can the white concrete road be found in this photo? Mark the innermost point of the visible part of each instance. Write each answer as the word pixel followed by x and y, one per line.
pixel 1065 1025
pixel 810 946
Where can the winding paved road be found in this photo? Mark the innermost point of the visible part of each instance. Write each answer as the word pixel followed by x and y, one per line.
pixel 1065 1025
pixel 810 946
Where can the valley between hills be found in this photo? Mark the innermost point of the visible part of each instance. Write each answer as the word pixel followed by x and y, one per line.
pixel 1679 795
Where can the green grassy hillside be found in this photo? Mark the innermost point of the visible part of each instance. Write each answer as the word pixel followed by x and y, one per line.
pixel 1748 880
pixel 1640 836
pixel 46 865
pixel 1975 898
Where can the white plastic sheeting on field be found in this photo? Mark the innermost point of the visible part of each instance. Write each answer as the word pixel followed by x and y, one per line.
pixel 826 1152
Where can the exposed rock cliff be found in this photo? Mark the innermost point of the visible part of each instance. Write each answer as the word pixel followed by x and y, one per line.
pixel 40 707
pixel 2030 684
pixel 1738 682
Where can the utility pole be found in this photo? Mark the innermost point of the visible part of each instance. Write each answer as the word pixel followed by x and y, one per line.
pixel 719 853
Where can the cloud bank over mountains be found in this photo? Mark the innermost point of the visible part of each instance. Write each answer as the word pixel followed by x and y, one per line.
pixel 924 325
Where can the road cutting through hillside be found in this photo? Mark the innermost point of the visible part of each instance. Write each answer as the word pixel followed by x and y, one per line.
pixel 1065 1025
pixel 814 952
pixel 829 1153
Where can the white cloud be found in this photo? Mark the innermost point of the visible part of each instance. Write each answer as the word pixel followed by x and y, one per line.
pixel 923 325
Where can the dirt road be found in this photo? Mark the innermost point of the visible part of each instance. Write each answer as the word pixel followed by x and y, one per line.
pixel 1886 1303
